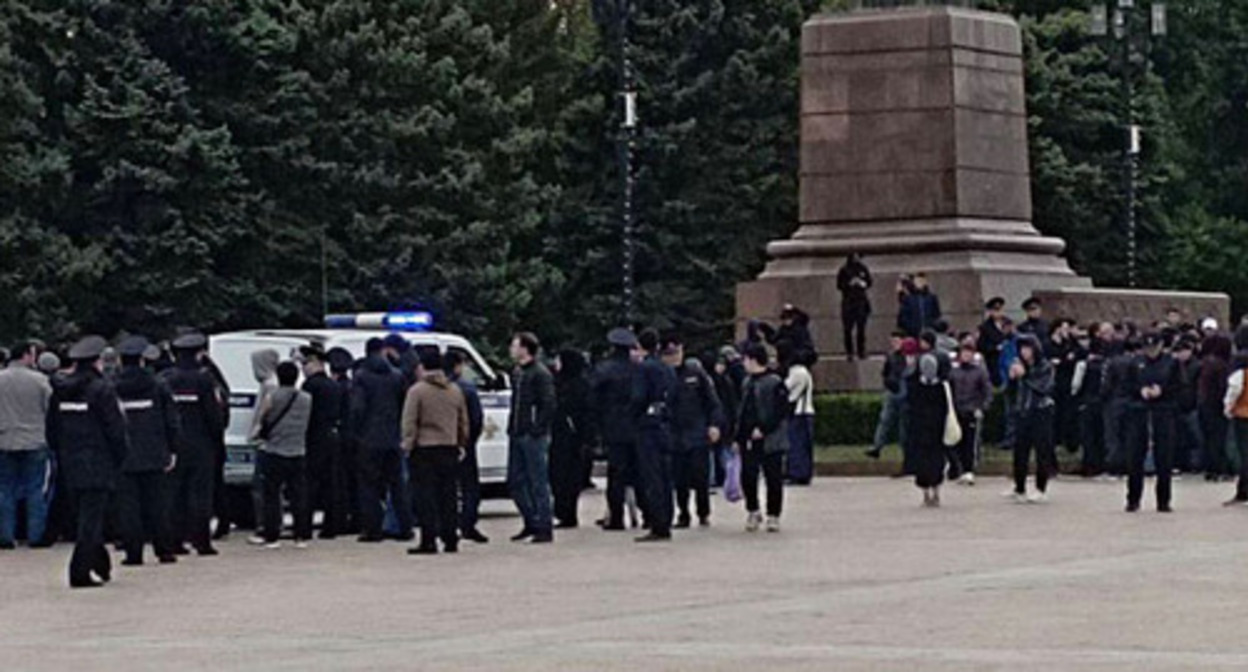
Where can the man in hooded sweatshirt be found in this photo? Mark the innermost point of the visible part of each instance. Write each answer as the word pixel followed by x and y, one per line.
pixel 199 412
pixel 264 369
pixel 1032 381
pixel 377 394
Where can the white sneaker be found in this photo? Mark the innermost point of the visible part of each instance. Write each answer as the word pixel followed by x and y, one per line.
pixel 256 540
pixel 301 544
pixel 273 546
pixel 753 521
pixel 773 524
pixel 967 479
pixel 1020 498
pixel 1038 498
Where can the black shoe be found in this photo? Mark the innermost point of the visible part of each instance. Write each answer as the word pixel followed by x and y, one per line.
pixel 104 575
pixel 7 545
pixel 873 454
pixel 181 550
pixel 222 532
pixel 542 538
pixel 327 536
pixel 450 548
pixel 84 583
pixel 423 550
pixel 132 562
pixel 683 523
pixel 207 552
pixel 566 525
pixel 42 543
pixel 524 534
pixel 704 521
pixel 613 527
pixel 401 537
pixel 369 539
pixel 653 537
pixel 1132 507
pixel 167 559
pixel 1164 508
pixel 475 536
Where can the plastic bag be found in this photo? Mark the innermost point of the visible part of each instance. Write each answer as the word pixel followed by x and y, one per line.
pixel 732 478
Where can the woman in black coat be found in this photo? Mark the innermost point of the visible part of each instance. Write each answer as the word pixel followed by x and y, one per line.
pixel 929 407
pixel 570 435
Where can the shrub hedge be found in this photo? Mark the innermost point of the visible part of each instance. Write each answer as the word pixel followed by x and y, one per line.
pixel 849 419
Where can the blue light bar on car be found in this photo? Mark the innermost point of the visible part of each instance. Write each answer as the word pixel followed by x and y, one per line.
pixel 419 320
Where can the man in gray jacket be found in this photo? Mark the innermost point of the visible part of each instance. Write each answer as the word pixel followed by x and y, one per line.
pixel 972 395
pixel 24 456
pixel 282 430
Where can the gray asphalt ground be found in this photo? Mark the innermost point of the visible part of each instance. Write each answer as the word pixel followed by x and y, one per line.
pixel 861 578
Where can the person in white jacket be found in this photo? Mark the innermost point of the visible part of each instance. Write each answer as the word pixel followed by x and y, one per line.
pixel 801 386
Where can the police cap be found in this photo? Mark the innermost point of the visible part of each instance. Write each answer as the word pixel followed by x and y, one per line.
pixel 340 359
pixel 133 346
pixel 995 303
pixel 190 341
pixel 88 348
pixel 1033 302
pixel 622 337
pixel 314 353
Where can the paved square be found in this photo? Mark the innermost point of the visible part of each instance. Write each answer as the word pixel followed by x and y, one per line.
pixel 860 579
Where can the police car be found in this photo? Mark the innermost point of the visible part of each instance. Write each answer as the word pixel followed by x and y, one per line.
pixel 232 354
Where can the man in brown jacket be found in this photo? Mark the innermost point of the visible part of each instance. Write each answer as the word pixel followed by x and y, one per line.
pixel 435 434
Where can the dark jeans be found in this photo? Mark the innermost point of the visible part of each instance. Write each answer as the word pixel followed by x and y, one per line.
pixel 962 457
pixel 1144 427
pixel 192 500
pixel 691 471
pixel 1035 433
pixel 290 474
pixel 855 332
pixel 1189 442
pixel 1092 429
pixel 528 476
pixel 434 473
pixel 801 461
pixel 621 474
pixel 1214 426
pixel 654 474
pixel 753 460
pixel 1115 411
pixel 1241 444
pixel 566 477
pixel 381 474
pixel 144 501
pixel 89 552
pixel 469 491
pixel 892 414
pixel 325 489
pixel 24 477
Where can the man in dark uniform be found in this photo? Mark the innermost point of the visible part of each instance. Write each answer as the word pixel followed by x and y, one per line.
pixel 613 402
pixel 87 428
pixel 376 407
pixel 199 410
pixel 341 363
pixel 469 474
pixel 697 419
pixel 1154 380
pixel 654 388
pixel 154 427
pixel 1035 324
pixel 324 457
pixel 992 338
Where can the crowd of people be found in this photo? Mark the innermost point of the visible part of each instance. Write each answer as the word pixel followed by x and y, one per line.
pixel 1123 400
pixel 125 442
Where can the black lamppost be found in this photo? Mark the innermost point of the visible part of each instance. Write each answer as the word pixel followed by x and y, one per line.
pixel 1118 21
pixel 617 15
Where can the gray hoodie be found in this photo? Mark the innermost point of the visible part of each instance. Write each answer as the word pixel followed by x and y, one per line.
pixel 264 367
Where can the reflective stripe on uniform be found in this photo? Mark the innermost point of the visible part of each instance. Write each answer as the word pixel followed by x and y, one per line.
pixel 186 398
pixel 138 405
pixel 74 407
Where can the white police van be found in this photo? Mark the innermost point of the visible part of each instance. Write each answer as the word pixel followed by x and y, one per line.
pixel 232 354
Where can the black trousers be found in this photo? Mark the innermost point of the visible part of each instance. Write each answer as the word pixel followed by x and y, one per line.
pixel 469 474
pixel 145 514
pixel 381 473
pixel 962 456
pixel 691 471
pixel 1214 425
pixel 192 500
pixel 325 488
pixel 567 477
pixel 654 473
pixel 753 460
pixel 854 324
pixel 621 474
pixel 435 474
pixel 348 459
pixel 1092 429
pixel 1035 433
pixel 90 555
pixel 1147 426
pixel 289 474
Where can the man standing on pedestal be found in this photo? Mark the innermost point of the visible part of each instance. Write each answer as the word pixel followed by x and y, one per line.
pixel 853 281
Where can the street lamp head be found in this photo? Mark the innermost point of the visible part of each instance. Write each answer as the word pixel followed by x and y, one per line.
pixel 1099 19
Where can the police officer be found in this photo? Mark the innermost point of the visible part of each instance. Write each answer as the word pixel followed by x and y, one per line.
pixel 697 419
pixel 154 427
pixel 324 458
pixel 87 429
pixel 1154 381
pixel 199 410
pixel 653 390
pixel 613 384
pixel 341 363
